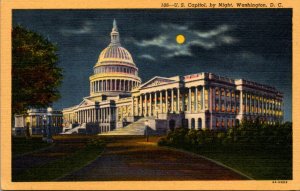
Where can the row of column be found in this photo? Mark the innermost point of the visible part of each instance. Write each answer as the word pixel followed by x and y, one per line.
pixel 226 103
pixel 258 106
pixel 105 69
pixel 170 100
pixel 103 115
pixel 37 120
pixel 113 85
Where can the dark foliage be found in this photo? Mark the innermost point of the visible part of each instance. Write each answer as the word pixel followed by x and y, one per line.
pixel 35 74
pixel 248 134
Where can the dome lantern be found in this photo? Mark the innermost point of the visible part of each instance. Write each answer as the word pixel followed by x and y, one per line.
pixel 115 37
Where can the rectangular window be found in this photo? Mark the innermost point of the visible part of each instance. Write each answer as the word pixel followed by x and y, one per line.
pixel 222 93
pixel 228 94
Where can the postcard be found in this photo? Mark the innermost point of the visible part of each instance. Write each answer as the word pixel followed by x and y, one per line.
pixel 139 95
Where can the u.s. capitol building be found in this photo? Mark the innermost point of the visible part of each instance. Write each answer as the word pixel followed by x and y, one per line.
pixel 120 103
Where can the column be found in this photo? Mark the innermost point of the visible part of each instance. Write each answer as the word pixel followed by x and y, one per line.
pixel 210 102
pixel 78 116
pixel 241 102
pixel 190 100
pixel 103 85
pixel 178 94
pixel 172 100
pixel 82 116
pixel 91 87
pixel 100 85
pixel 132 106
pixel 109 114
pixel 203 99
pixel 166 95
pixel 155 103
pixel 250 104
pixel 94 115
pixel 146 104
pixel 86 115
pixel 196 101
pixel 104 115
pixel 141 105
pixel 150 104
pixel 161 110
pixel 183 100
pixel 98 118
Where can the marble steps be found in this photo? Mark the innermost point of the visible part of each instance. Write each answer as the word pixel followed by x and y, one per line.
pixel 135 128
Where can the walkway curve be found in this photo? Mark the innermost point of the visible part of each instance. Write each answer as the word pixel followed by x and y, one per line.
pixel 134 159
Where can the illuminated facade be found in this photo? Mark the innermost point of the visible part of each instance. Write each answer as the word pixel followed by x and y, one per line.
pixel 36 120
pixel 118 99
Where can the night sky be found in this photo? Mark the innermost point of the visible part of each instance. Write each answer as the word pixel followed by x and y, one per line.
pixel 251 44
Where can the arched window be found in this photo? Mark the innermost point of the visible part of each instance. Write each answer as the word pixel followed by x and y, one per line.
pixel 199 123
pixel 193 123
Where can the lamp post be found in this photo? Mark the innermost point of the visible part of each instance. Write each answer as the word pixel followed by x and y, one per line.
pixel 49 133
pixel 146 130
pixel 44 128
pixel 27 125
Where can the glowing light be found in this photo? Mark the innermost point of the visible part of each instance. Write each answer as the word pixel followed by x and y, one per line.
pixel 180 39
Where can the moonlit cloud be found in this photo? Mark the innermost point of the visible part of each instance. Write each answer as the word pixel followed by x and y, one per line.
pixel 159 41
pixel 86 28
pixel 205 39
pixel 212 33
pixel 147 57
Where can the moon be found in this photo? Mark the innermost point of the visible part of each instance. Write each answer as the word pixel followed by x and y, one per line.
pixel 180 39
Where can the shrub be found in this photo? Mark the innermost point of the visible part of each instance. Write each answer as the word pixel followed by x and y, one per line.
pixel 162 142
pixel 96 143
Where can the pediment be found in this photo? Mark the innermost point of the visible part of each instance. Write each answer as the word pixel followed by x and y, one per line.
pixel 86 102
pixel 157 81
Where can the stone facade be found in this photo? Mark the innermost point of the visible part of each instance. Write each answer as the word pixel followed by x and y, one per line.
pixel 36 119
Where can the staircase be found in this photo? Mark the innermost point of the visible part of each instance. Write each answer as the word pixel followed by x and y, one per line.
pixel 135 128
pixel 75 130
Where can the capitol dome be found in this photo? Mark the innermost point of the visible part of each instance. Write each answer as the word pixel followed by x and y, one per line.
pixel 115 54
pixel 115 71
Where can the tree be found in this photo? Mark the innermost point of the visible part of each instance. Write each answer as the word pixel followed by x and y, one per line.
pixel 35 74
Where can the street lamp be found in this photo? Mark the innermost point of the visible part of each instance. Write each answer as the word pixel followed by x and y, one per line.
pixel 44 128
pixel 146 130
pixel 27 124
pixel 49 134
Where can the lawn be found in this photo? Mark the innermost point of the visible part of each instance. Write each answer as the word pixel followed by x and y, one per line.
pixel 60 167
pixel 21 145
pixel 260 164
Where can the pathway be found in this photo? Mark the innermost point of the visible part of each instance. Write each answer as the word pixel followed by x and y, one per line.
pixel 135 159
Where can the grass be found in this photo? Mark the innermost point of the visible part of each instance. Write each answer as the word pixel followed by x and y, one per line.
pixel 60 167
pixel 21 145
pixel 260 164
